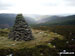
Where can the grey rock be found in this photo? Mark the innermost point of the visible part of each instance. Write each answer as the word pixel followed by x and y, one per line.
pixel 20 30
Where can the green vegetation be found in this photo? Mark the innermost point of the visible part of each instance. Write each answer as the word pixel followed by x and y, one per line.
pixel 4 32
pixel 67 31
pixel 33 47
pixel 48 41
pixel 41 37
pixel 40 50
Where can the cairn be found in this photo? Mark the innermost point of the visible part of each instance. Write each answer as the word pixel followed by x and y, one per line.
pixel 20 30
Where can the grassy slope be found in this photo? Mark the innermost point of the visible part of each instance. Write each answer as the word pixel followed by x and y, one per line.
pixel 41 37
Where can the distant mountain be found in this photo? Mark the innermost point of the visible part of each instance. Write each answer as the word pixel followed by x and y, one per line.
pixel 7 20
pixel 30 21
pixel 57 20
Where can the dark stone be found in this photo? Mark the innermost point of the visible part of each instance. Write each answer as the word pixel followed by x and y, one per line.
pixel 20 30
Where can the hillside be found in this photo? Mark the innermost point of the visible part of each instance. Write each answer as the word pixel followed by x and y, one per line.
pixel 57 20
pixel 41 42
pixel 7 20
pixel 48 41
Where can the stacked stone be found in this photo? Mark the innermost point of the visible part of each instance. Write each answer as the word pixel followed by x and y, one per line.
pixel 20 30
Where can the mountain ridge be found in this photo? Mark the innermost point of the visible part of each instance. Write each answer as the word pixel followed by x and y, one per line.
pixel 7 20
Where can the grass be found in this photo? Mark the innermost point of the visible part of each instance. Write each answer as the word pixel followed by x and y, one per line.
pixel 47 41
pixel 40 38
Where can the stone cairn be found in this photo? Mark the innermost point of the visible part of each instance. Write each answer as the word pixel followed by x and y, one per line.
pixel 20 30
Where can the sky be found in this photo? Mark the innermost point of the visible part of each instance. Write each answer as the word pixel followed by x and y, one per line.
pixel 42 7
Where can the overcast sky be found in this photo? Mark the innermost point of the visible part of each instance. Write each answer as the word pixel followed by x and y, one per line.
pixel 43 7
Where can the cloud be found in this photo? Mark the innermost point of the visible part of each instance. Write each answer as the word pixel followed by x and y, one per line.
pixel 70 2
pixel 38 6
pixel 4 5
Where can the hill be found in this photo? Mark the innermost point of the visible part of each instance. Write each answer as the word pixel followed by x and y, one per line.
pixel 57 20
pixel 7 20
